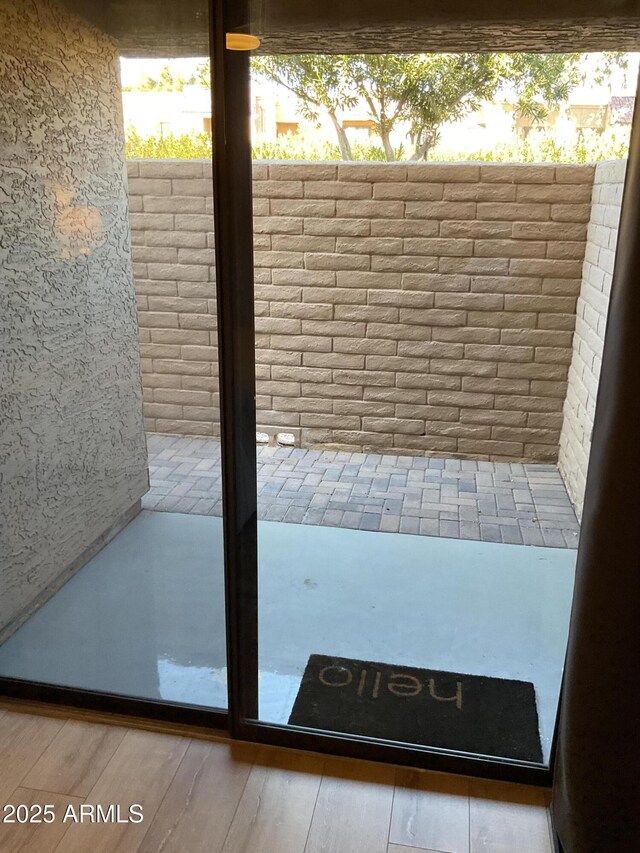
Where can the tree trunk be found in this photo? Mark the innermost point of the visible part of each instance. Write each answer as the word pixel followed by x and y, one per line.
pixel 386 144
pixel 422 151
pixel 343 140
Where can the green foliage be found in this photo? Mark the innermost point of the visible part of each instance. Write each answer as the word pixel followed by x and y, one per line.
pixel 540 80
pixel 539 147
pixel 298 148
pixel 187 146
pixel 542 147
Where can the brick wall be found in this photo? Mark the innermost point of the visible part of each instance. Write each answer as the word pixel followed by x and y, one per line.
pixel 413 308
pixel 593 304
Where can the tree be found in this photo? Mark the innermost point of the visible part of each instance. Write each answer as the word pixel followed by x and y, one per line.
pixel 319 81
pixel 424 91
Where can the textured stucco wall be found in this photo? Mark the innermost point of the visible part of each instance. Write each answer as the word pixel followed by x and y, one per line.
pixel 591 319
pixel 416 308
pixel 72 447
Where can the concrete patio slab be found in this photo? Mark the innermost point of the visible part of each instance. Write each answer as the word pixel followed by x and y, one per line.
pixel 146 616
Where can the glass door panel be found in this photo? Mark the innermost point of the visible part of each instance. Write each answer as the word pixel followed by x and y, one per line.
pixel 420 411
pixel 111 574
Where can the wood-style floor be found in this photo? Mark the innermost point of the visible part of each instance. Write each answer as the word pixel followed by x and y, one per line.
pixel 217 796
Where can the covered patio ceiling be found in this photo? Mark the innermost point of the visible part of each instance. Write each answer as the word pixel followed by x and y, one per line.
pixel 167 28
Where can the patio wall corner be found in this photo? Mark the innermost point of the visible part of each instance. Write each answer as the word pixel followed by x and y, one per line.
pixel 591 320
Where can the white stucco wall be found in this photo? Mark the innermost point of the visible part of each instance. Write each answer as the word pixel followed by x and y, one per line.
pixel 72 447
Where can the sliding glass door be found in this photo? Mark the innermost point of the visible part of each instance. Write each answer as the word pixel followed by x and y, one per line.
pixel 420 405
pixel 111 573
pixel 302 343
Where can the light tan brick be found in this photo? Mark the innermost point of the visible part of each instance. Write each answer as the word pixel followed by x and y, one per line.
pixel 475 229
pixel 533 370
pixel 404 227
pixel 570 212
pixel 278 224
pixel 463 367
pixel 278 325
pixel 517 173
pixel 375 209
pixel 530 212
pixel 363 408
pixel 567 194
pixel 506 284
pixel 171 169
pixel 479 192
pixel 460 398
pixel 291 260
pixel 548 231
pixel 366 345
pixel 444 172
pixel 173 204
pixel 474 266
pixel 440 210
pixel 149 186
pixel 438 282
pixel 409 191
pixel 337 189
pixel 371 313
pixel 305 207
pixel 494 385
pixel 499 353
pixel 393 426
pixel 332 261
pixel 278 189
pixel 403 263
pixel 401 298
pixel 308 343
pixel 336 227
pixel 179 239
pixel 302 172
pixel 510 248
pixel 545 267
pixel 303 243
pixel 372 172
pixel 470 301
pixel 370 245
pixel 192 186
pixel 438 247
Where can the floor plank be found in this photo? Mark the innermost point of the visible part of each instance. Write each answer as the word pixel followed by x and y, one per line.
pixel 23 739
pixel 275 811
pixel 431 811
pixel 76 757
pixel 353 810
pixel 36 837
pixel 198 808
pixel 505 818
pixel 204 796
pixel 140 771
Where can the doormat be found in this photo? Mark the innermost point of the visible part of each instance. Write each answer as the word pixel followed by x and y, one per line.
pixel 448 710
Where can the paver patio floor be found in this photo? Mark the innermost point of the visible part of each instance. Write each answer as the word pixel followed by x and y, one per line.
pixel 506 502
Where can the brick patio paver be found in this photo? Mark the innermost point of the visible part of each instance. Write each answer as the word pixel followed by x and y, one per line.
pixel 508 502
